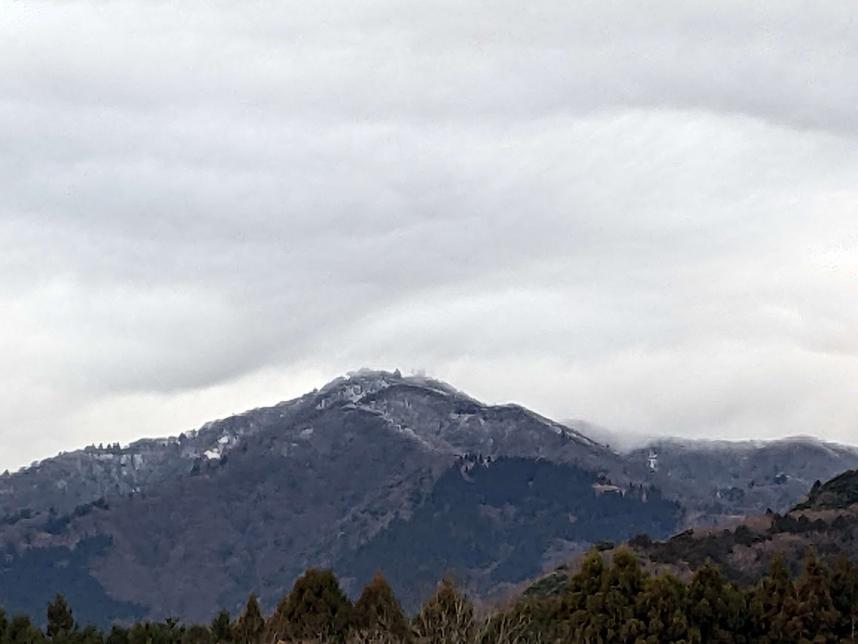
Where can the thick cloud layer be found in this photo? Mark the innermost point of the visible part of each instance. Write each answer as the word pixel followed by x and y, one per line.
pixel 646 217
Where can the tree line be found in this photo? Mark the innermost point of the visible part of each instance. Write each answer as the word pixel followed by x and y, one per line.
pixel 605 602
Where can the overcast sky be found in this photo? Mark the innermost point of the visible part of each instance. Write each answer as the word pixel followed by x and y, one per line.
pixel 640 214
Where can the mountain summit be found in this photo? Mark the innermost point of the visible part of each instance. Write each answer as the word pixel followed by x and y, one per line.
pixel 375 470
pixel 430 414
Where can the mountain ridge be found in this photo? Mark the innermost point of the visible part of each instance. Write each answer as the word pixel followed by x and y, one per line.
pixel 825 523
pixel 132 468
pixel 372 466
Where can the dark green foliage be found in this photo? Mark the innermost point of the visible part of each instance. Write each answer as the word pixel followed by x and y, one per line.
pixel 89 635
pixel 221 628
pixel 601 601
pixel 662 608
pixel 844 594
pixel 316 608
pixel 117 635
pixel 767 602
pixel 60 622
pixel 20 630
pixel 197 634
pixel 811 611
pixel 622 586
pixel 716 608
pixel 166 632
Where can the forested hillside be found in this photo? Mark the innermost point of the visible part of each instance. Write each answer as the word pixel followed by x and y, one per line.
pixel 609 601
pixel 374 471
pixel 692 589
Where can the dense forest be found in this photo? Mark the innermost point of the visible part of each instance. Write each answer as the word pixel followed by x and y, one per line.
pixel 616 601
pixel 492 524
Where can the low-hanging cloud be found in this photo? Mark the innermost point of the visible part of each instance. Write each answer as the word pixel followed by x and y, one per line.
pixel 645 217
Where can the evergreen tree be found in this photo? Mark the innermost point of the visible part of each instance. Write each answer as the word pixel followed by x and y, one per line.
pixel 20 630
pixel 250 625
pixel 716 609
pixel 662 608
pixel 844 594
pixel 316 608
pixel 767 602
pixel 447 617
pixel 378 611
pixel 141 633
pixel 197 634
pixel 811 614
pixel 583 601
pixel 623 583
pixel 166 632
pixel 117 635
pixel 603 601
pixel 60 621
pixel 89 635
pixel 621 603
pixel 221 629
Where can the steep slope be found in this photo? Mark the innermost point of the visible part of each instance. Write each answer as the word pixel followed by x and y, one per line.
pixel 497 523
pixel 374 470
pixel 248 502
pixel 434 415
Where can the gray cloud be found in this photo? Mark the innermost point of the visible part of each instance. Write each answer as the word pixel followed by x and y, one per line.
pixel 640 216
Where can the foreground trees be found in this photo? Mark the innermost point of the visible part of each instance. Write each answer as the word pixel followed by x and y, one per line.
pixel 315 610
pixel 377 613
pixel 605 602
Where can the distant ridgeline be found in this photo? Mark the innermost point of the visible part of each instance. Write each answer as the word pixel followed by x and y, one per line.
pixel 379 471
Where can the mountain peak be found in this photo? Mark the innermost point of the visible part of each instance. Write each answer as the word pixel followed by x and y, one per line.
pixel 362 384
pixel 375 466
pixel 373 380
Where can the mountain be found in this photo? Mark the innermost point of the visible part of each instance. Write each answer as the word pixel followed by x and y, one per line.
pixel 365 465
pixel 372 471
pixel 426 413
pixel 721 481
pixel 825 521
